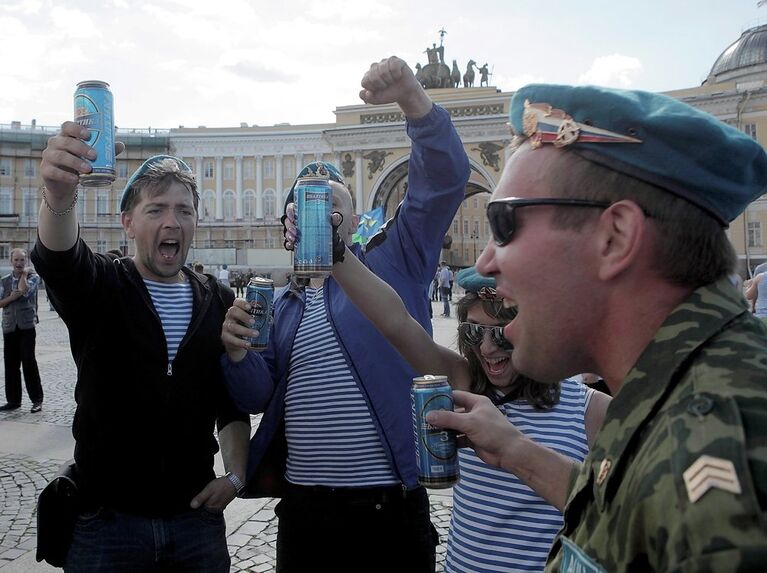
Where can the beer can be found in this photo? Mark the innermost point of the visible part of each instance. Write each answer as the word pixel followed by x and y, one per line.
pixel 436 448
pixel 94 111
pixel 313 255
pixel 261 291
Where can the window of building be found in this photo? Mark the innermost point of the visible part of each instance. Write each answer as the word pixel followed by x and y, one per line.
pixel 102 204
pixel 290 166
pixel 229 244
pixel 229 205
pixel 465 227
pixel 122 169
pixel 6 204
pixel 31 205
pixel 269 204
pixel 755 234
pixel 228 171
pixel 249 205
pixel 209 170
pixel 269 168
pixel 30 168
pixel 6 166
pixel 5 251
pixel 455 227
pixel 247 168
pixel 82 201
pixel 750 129
pixel 476 202
pixel 101 246
pixel 208 206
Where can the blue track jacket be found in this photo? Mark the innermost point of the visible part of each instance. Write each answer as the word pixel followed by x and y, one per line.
pixel 404 254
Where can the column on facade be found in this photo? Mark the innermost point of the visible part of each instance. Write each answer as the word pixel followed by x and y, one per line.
pixel 337 160
pixel 259 187
pixel 299 163
pixel 278 184
pixel 358 181
pixel 238 187
pixel 219 188
pixel 200 185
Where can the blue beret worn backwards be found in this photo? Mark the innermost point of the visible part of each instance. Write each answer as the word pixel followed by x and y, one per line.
pixel 143 169
pixel 312 169
pixel 471 281
pixel 651 137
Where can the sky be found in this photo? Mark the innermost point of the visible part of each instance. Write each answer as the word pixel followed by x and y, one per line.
pixel 219 64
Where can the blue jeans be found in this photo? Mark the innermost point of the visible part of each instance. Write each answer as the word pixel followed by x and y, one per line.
pixel 445 291
pixel 114 542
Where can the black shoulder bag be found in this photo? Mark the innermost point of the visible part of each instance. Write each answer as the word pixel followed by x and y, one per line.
pixel 57 509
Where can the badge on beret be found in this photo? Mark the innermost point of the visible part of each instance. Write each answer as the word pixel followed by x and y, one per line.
pixel 709 472
pixel 544 124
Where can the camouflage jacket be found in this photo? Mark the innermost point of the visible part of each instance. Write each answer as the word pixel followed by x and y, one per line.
pixel 699 388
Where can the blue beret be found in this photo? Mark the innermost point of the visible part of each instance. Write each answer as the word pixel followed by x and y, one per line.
pixel 309 169
pixel 651 137
pixel 471 281
pixel 143 169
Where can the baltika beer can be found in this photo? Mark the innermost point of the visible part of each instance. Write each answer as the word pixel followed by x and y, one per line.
pixel 436 448
pixel 313 255
pixel 94 111
pixel 261 291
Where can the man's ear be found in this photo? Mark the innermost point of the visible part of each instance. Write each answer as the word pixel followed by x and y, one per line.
pixel 623 233
pixel 126 219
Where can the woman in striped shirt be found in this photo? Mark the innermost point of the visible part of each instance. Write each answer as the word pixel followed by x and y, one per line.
pixel 498 522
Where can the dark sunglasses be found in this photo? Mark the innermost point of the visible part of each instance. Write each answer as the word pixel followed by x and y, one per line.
pixel 501 213
pixel 472 334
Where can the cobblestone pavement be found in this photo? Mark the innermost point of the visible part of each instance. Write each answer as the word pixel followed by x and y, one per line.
pixel 251 524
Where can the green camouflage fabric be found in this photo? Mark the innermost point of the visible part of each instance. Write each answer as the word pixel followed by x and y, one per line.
pixel 700 387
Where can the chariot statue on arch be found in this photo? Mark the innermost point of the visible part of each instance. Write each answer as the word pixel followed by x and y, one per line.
pixel 435 74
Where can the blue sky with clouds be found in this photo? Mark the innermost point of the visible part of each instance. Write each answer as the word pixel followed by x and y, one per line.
pixel 197 62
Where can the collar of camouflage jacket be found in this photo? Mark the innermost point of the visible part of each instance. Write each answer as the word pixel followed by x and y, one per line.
pixel 646 388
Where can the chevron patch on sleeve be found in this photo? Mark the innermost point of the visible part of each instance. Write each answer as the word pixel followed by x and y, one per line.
pixel 709 472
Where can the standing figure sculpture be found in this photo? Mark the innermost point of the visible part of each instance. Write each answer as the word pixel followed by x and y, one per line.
pixel 483 75
pixel 468 77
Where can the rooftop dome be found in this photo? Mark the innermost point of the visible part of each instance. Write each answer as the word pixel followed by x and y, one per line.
pixel 747 51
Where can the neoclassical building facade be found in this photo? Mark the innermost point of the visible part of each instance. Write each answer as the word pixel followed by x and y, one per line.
pixel 245 172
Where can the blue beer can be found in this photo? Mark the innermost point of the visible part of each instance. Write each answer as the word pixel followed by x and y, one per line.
pixel 94 111
pixel 313 255
pixel 261 291
pixel 436 448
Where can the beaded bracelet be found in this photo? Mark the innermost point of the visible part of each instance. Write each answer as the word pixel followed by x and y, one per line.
pixel 66 211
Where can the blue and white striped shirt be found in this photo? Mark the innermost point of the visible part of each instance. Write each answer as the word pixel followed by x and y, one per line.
pixel 499 523
pixel 332 440
pixel 173 303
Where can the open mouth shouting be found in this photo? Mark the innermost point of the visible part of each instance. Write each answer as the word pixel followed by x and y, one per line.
pixel 169 249
pixel 495 365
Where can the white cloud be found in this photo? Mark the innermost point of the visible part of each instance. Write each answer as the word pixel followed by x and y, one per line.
pixel 615 71
pixel 512 83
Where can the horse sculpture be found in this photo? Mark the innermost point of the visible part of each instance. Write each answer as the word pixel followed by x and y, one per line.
pixel 455 75
pixel 433 76
pixel 468 77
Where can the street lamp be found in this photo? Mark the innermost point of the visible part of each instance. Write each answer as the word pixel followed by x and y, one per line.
pixel 474 238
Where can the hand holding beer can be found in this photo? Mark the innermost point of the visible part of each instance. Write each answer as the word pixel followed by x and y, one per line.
pixel 94 111
pixel 313 253
pixel 260 295
pixel 436 448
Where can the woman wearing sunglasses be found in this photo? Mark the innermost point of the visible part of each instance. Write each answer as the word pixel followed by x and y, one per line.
pixel 498 523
